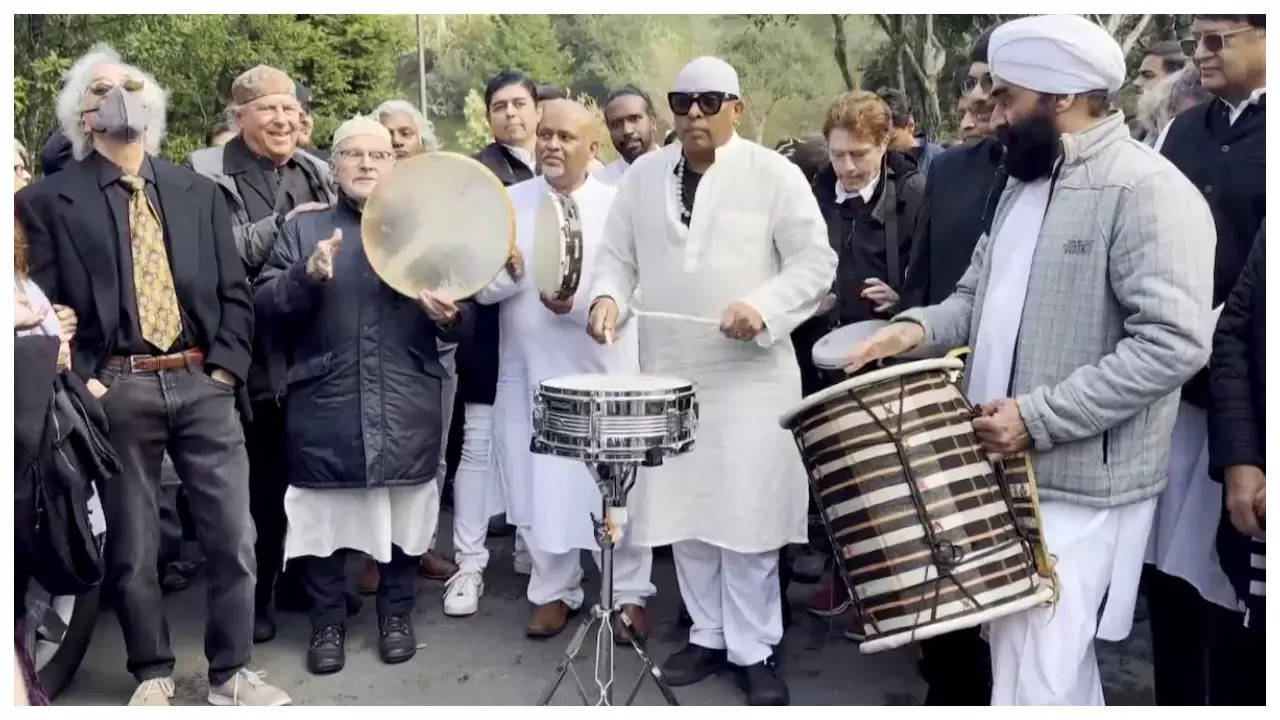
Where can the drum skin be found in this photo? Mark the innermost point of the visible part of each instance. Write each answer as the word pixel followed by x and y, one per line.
pixel 439 221
pixel 557 247
pixel 930 536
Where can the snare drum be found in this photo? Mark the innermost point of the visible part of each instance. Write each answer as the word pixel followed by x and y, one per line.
pixel 930 537
pixel 614 418
pixel 557 247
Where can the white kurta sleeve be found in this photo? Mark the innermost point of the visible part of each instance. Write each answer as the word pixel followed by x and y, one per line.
pixel 502 287
pixel 808 262
pixel 616 269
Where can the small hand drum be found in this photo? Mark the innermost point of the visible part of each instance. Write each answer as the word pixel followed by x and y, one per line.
pixel 629 419
pixel 557 247
pixel 833 349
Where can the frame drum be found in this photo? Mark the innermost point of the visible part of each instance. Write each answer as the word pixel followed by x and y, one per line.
pixel 441 222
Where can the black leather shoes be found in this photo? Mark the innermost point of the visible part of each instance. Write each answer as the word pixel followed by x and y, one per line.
pixel 328 651
pixel 692 664
pixel 396 642
pixel 264 627
pixel 762 683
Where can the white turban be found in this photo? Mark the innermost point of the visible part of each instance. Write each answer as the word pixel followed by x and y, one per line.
pixel 359 125
pixel 1057 55
pixel 707 74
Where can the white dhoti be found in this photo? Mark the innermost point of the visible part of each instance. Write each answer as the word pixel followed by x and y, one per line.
pixel 370 520
pixel 1045 656
pixel 1184 536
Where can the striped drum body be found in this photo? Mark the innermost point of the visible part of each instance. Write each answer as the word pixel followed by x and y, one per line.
pixel 930 536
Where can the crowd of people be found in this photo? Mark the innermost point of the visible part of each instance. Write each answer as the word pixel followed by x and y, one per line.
pixel 225 322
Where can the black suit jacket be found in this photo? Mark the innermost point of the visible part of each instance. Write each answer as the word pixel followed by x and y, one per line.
pixel 73 249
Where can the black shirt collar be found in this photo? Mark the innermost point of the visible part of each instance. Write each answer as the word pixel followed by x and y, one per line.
pixel 108 172
pixel 238 158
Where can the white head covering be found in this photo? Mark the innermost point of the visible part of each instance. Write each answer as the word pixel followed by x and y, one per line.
pixel 360 125
pixel 707 74
pixel 1056 54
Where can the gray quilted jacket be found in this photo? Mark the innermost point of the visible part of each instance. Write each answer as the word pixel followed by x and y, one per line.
pixel 1117 317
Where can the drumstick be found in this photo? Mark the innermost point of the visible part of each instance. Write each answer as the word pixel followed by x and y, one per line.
pixel 678 316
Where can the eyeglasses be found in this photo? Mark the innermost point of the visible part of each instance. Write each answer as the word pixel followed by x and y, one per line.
pixel 708 102
pixel 1213 42
pixel 970 83
pixel 355 156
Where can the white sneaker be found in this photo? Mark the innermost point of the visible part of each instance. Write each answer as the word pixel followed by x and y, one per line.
pixel 156 691
pixel 247 688
pixel 522 562
pixel 462 593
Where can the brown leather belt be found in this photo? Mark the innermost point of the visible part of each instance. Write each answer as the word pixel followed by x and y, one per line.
pixel 127 364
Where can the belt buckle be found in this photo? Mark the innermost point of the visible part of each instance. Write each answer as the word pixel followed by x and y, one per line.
pixel 129 364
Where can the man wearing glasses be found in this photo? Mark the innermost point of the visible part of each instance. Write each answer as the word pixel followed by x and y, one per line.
pixel 722 228
pixel 363 413
pixel 1220 146
pixel 266 179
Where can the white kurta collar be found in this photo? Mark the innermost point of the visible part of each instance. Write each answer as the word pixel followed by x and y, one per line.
pixel 1235 111
pixel 865 193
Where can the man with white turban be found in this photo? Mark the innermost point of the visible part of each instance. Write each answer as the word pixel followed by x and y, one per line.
pixel 720 227
pixel 1087 307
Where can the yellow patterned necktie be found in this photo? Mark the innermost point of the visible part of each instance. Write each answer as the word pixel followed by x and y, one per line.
pixel 158 314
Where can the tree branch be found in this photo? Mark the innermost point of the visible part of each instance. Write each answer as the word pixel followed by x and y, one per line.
pixel 1132 38
pixel 842 55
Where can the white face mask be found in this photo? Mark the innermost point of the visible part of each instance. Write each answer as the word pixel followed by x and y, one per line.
pixel 120 115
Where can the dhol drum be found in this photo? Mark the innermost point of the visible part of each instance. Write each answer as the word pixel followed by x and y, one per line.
pixel 557 247
pixel 930 535
pixel 832 350
pixel 631 419
pixel 439 221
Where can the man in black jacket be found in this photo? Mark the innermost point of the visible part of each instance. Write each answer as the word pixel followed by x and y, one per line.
pixel 513 110
pixel 142 251
pixel 1237 458
pixel 1220 146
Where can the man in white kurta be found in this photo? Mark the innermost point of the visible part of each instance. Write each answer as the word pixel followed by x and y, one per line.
pixel 1083 322
pixel 552 500
pixel 720 227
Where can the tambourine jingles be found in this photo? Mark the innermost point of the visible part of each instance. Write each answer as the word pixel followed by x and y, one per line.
pixel 441 222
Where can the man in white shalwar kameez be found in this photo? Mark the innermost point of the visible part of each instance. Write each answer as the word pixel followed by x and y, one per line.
pixel 633 129
pixel 722 228
pixel 1086 308
pixel 552 500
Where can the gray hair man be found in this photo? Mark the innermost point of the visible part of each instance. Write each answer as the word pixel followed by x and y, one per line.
pixel 1087 307
pixel 411 132
pixel 265 179
pixel 140 250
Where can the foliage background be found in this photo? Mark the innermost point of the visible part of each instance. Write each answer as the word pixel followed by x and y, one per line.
pixel 790 65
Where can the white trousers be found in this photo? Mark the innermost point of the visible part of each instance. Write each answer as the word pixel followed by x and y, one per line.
pixel 1045 656
pixel 474 487
pixel 734 599
pixel 448 387
pixel 558 576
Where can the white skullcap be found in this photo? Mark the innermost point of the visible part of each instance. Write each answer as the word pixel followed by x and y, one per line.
pixel 1056 54
pixel 707 74
pixel 359 125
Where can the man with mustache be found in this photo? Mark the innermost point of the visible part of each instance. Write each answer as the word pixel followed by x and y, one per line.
pixel 1087 307
pixel 753 251
pixel 633 128
pixel 1162 60
pixel 363 413
pixel 551 500
pixel 1220 145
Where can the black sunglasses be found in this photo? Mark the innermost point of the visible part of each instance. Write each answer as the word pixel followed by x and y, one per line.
pixel 1213 42
pixel 708 102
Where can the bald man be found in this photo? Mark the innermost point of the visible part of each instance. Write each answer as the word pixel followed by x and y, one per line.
pixel 550 500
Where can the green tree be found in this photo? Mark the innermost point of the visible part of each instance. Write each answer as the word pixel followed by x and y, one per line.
pixel 475 131
pixel 527 42
pixel 775 62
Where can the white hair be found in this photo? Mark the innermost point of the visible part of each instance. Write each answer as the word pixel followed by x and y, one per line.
pixel 75 84
pixel 426 130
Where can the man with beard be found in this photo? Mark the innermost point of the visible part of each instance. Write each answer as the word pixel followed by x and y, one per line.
pixel 752 251
pixel 1161 60
pixel 1220 145
pixel 633 128
pixel 1086 306
pixel 552 501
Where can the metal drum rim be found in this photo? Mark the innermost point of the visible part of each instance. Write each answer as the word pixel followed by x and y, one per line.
pixel 894 371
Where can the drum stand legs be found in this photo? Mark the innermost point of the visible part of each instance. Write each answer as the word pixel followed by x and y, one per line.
pixel 615 481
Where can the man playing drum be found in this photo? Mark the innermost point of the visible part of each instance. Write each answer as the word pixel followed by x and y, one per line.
pixel 755 254
pixel 551 500
pixel 1087 307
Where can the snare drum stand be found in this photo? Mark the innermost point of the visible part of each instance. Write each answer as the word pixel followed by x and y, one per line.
pixel 615 481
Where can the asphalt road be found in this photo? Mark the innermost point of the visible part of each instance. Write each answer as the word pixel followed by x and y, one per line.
pixel 486 659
